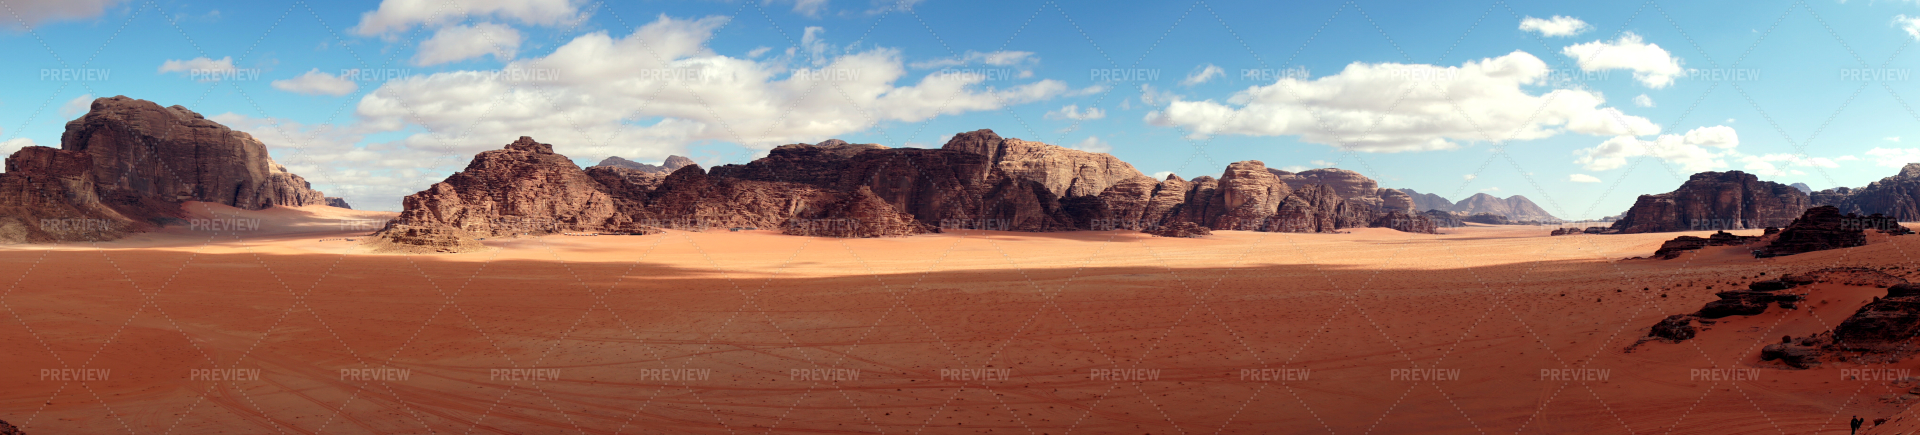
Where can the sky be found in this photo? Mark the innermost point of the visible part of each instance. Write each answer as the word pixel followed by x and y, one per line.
pixel 1580 106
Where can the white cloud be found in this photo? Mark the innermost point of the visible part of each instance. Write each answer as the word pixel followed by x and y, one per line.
pixel 1470 177
pixel 1651 65
pixel 1909 24
pixel 1202 74
pixel 1893 157
pixel 34 12
pixel 1700 149
pixel 1556 26
pixel 1389 107
pixel 1162 175
pixel 1582 178
pixel 9 146
pixel 1295 168
pixel 1073 112
pixel 1643 101
pixel 598 106
pixel 76 106
pixel 1891 138
pixel 1776 165
pixel 1322 163
pixel 200 68
pixel 996 58
pixel 400 15
pixel 315 82
pixel 1092 144
pixel 809 8
pixel 457 43
pixel 1490 189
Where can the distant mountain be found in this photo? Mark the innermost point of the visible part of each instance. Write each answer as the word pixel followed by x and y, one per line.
pixel 1514 208
pixel 673 163
pixel 1517 208
pixel 1803 187
pixel 1428 201
pixel 1897 196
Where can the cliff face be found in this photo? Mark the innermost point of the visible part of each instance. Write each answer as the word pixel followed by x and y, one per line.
pixel 1897 196
pixel 173 154
pixel 1715 200
pixel 127 164
pixel 837 189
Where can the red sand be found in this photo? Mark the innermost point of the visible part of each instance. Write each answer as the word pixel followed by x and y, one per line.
pixel 970 332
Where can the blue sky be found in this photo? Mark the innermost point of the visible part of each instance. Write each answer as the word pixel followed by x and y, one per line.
pixel 1580 106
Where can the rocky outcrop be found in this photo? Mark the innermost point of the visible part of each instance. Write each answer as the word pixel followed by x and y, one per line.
pixel 523 189
pixel 859 214
pixel 334 201
pixel 1754 300
pixel 1672 249
pixel 1404 221
pixel 1064 172
pixel 174 154
pixel 1444 219
pixel 127 165
pixel 1897 196
pixel 1822 228
pixel 1715 200
pixel 1249 196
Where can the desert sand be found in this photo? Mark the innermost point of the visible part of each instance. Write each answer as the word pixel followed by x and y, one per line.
pixel 273 322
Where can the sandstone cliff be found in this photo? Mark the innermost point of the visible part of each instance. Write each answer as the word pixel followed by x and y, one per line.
pixel 1715 200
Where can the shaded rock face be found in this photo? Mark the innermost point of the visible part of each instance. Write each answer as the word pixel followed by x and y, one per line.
pixel 1880 331
pixel 334 201
pixel 127 165
pixel 1897 196
pixel 1443 219
pixel 1822 228
pixel 1715 200
pixel 174 154
pixel 859 214
pixel 1672 249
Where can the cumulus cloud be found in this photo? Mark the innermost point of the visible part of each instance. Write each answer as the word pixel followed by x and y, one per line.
pixel 34 12
pixel 457 43
pixel 1651 65
pixel 1092 144
pixel 1643 101
pixel 1390 107
pixel 373 176
pixel 809 8
pixel 200 68
pixel 315 82
pixel 661 88
pixel 1556 26
pixel 1910 24
pixel 1202 74
pixel 1073 112
pixel 75 107
pixel 1582 178
pixel 1470 177
pixel 995 58
pixel 1700 149
pixel 400 15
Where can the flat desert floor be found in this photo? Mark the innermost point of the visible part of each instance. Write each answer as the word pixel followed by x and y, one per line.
pixel 285 327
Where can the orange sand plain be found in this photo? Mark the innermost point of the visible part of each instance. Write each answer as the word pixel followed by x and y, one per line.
pixel 272 330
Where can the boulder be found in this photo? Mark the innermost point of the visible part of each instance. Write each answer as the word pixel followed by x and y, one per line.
pixel 334 201
pixel 1820 228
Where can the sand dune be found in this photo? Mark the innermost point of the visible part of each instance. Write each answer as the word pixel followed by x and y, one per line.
pixel 1485 329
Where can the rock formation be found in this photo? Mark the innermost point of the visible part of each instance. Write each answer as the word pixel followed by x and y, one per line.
pixel 1672 249
pixel 1713 201
pixel 1822 228
pixel 334 201
pixel 1428 201
pixel 1802 187
pixel 1897 196
pixel 1881 330
pixel 978 180
pixel 127 165
pixel 174 154
pixel 1181 229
